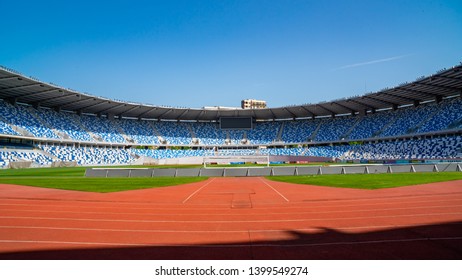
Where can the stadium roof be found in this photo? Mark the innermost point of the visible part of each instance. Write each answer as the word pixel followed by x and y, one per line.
pixel 15 87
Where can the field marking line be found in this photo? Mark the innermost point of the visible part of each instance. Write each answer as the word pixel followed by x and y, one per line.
pixel 232 214
pixel 308 229
pixel 234 245
pixel 189 197
pixel 280 194
pixel 361 242
pixel 228 221
pixel 296 204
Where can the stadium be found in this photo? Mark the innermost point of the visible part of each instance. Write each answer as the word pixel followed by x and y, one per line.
pixel 50 125
pixel 88 177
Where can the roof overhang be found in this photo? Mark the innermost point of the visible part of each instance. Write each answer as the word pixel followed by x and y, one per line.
pixel 16 87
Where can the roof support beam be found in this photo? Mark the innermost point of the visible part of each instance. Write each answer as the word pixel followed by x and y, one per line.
pixel 217 115
pixel 19 87
pixel 111 108
pixel 365 105
pixel 60 97
pixel 164 113
pixel 147 112
pixel 445 78
pixel 37 93
pixel 406 99
pixel 254 114
pixel 78 102
pixel 129 110
pixel 9 78
pixel 201 113
pixel 292 114
pixel 438 86
pixel 433 95
pixel 309 111
pixel 94 105
pixel 345 107
pixel 324 108
pixel 272 113
pixel 377 99
pixel 182 114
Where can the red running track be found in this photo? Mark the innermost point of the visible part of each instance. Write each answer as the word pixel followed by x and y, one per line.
pixel 233 218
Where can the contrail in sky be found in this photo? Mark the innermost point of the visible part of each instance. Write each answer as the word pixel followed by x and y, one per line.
pixel 372 62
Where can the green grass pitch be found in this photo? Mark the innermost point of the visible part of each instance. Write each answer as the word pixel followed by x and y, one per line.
pixel 72 178
pixel 371 181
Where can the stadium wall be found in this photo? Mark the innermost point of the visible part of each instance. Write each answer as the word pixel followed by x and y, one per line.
pixel 271 171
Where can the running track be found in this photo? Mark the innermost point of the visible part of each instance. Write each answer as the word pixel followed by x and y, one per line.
pixel 233 218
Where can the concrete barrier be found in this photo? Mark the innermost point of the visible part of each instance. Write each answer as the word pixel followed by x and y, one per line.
pixel 96 173
pixel 236 172
pixel 211 172
pixel 114 173
pixel 449 167
pixel 373 169
pixel 259 172
pixel 271 171
pixel 307 170
pixel 355 170
pixel 167 172
pixel 283 171
pixel 188 172
pixel 401 168
pixel 330 170
pixel 139 173
pixel 423 168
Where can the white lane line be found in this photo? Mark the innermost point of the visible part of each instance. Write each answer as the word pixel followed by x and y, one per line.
pixel 297 204
pixel 280 194
pixel 232 214
pixel 206 208
pixel 189 197
pixel 228 221
pixel 309 229
pixel 74 243
pixel 234 245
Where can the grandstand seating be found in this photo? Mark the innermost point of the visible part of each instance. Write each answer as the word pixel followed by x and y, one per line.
pixel 167 153
pixel 46 123
pixel 450 112
pixel 407 119
pixel 236 152
pixel 235 136
pixel 6 129
pixel 333 129
pixel 66 123
pixel 175 133
pixel 90 156
pixel 15 155
pixel 49 124
pixel 327 151
pixel 139 131
pixel 209 133
pixel 263 133
pixel 20 116
pixel 436 148
pixel 282 151
pixel 104 128
pixel 299 131
pixel 370 125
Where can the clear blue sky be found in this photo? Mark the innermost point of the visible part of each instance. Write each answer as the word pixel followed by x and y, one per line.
pixel 206 53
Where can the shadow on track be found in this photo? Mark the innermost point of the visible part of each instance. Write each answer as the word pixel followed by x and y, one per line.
pixel 437 241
